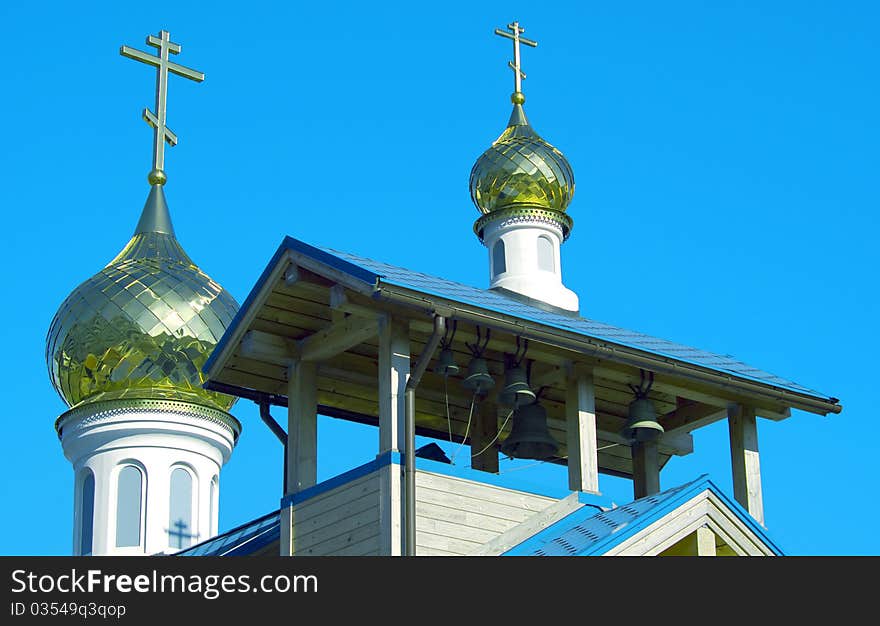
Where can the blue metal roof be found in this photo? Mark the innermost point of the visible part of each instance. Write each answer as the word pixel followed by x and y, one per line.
pixel 498 302
pixel 241 541
pixel 375 274
pixel 589 531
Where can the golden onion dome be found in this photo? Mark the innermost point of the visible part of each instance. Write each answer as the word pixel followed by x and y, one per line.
pixel 143 326
pixel 521 175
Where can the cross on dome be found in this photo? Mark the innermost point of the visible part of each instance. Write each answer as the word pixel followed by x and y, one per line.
pixel 518 75
pixel 161 132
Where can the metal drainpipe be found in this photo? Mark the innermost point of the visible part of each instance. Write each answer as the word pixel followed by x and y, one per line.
pixel 409 470
pixel 276 429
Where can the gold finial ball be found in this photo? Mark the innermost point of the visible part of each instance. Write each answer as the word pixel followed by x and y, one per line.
pixel 157 177
pixel 518 97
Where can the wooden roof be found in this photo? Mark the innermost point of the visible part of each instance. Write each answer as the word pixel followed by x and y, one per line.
pixel 309 305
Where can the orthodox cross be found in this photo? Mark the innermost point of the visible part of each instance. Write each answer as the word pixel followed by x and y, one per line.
pixel 178 534
pixel 161 133
pixel 514 34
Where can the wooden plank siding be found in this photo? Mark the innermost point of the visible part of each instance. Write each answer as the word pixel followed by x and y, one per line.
pixel 340 522
pixel 455 516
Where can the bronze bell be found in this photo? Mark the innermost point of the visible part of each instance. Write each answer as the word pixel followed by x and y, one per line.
pixel 446 365
pixel 530 438
pixel 642 424
pixel 478 377
pixel 516 390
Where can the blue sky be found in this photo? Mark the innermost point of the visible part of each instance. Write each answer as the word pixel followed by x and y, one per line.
pixel 725 162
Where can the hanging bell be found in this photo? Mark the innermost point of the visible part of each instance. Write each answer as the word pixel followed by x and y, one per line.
pixel 530 438
pixel 446 365
pixel 478 377
pixel 642 424
pixel 516 391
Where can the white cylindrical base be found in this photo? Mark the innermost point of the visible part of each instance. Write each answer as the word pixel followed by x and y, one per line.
pixel 156 437
pixel 531 263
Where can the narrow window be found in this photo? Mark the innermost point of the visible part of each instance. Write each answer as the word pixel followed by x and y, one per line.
pixel 180 530
pixel 499 265
pixel 212 519
pixel 128 507
pixel 87 514
pixel 545 254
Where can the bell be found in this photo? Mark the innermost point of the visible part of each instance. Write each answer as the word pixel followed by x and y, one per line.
pixel 516 390
pixel 446 365
pixel 478 377
pixel 642 424
pixel 530 438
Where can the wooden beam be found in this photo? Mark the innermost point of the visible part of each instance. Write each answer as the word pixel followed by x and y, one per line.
pixel 302 427
pixel 551 377
pixel 703 393
pixel 298 302
pixel 246 380
pixel 691 415
pixel 263 346
pixel 483 450
pixel 608 428
pixel 341 302
pixel 394 367
pixel 298 277
pixel 352 367
pixel 646 469
pixel 500 342
pixel 580 410
pixel 291 275
pixel 337 338
pixel 321 272
pixel 745 460
pixel 431 400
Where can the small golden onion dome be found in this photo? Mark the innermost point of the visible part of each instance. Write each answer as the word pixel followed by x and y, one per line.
pixel 143 326
pixel 522 173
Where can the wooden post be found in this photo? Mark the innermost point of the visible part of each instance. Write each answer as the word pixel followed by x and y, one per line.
pixel 394 363
pixel 484 430
pixel 646 469
pixel 302 442
pixel 705 541
pixel 745 460
pixel 391 535
pixel 580 412
pixel 302 426
pixel 701 542
pixel 394 366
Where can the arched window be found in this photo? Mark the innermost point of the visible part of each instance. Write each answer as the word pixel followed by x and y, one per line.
pixel 545 254
pixel 87 513
pixel 128 507
pixel 499 265
pixel 212 519
pixel 180 511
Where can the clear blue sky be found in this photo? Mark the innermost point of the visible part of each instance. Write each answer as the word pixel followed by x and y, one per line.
pixel 727 198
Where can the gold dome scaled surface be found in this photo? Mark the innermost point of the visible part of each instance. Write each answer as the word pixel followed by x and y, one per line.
pixel 143 326
pixel 520 169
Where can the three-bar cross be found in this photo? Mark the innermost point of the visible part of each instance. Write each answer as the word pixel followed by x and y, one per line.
pixel 163 65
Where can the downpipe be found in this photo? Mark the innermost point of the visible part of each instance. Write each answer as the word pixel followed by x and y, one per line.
pixel 278 431
pixel 409 468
